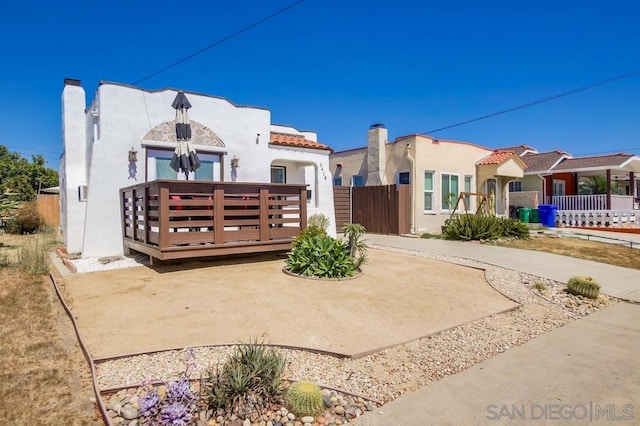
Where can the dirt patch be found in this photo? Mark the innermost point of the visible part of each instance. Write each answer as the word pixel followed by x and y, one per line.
pixel 613 254
pixel 43 379
pixel 399 297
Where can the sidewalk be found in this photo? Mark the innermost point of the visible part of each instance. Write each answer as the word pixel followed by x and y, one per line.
pixel 614 280
pixel 587 372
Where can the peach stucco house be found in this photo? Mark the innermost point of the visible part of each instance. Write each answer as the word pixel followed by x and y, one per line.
pixel 434 168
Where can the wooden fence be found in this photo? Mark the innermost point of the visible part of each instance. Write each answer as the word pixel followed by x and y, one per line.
pixel 49 208
pixel 382 209
pixel 342 205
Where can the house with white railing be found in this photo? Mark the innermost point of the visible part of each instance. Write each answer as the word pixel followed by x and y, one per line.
pixel 594 191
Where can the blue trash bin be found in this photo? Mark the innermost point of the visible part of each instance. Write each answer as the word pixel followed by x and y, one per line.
pixel 548 214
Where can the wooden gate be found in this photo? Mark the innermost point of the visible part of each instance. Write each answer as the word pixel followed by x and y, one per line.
pixel 342 205
pixel 382 209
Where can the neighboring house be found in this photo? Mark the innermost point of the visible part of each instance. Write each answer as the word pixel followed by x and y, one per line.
pixel 437 170
pixel 127 136
pixel 531 190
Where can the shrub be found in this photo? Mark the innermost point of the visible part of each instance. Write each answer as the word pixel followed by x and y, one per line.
pixel 354 234
pixel 480 227
pixel 322 257
pixel 33 258
pixel 584 286
pixel 304 399
pixel 319 220
pixel 312 231
pixel 27 219
pixel 250 380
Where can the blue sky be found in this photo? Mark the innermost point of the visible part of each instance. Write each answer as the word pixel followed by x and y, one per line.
pixel 337 66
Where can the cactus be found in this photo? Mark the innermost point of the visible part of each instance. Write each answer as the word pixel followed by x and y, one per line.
pixel 584 286
pixel 304 399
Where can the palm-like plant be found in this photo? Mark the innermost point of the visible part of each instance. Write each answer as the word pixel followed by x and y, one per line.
pixel 593 185
pixel 354 234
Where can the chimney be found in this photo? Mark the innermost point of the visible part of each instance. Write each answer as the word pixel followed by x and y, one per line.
pixel 376 154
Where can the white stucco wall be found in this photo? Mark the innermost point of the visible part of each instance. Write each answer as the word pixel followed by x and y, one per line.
pixel 125 115
pixel 73 166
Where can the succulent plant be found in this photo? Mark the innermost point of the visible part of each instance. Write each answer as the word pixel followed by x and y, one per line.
pixel 304 399
pixel 584 286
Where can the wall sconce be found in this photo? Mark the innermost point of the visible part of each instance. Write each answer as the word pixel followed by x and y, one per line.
pixel 133 155
pixel 339 165
pixel 235 162
pixel 257 138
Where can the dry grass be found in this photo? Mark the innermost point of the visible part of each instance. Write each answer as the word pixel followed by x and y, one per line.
pixel 612 254
pixel 45 380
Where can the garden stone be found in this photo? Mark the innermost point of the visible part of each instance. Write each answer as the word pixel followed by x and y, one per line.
pixel 340 410
pixel 129 413
pixel 369 407
pixel 327 401
pixel 307 419
pixel 246 422
pixel 291 416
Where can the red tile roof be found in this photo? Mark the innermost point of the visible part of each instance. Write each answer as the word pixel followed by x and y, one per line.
pixel 499 157
pixel 298 141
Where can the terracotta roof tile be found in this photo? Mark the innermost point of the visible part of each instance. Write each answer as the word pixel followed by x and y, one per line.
pixel 498 157
pixel 297 141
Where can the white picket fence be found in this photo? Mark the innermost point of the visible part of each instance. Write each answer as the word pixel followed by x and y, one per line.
pixel 598 218
pixel 593 202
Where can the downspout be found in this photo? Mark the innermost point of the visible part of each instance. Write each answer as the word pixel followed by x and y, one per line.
pixel 413 188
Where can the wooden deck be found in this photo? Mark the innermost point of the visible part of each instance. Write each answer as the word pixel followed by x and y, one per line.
pixel 169 219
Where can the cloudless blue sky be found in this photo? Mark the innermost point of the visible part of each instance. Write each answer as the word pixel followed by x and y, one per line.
pixel 337 66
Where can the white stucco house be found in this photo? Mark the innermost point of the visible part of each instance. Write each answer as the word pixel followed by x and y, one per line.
pixel 126 135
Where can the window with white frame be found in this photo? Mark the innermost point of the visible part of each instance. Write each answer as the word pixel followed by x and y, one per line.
pixel 428 191
pixel 558 187
pixel 278 174
pixel 159 160
pixel 450 190
pixel 357 180
pixel 515 186
pixel 467 188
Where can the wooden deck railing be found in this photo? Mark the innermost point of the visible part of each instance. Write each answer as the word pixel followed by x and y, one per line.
pixel 178 219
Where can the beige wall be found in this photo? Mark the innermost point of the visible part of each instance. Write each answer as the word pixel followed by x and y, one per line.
pixel 354 162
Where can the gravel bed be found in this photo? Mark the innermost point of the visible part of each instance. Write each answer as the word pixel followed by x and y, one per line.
pixel 385 375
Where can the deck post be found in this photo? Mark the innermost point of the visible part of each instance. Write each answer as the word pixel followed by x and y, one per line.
pixel 264 214
pixel 632 187
pixel 163 216
pixel 145 211
pixel 218 214
pixel 303 208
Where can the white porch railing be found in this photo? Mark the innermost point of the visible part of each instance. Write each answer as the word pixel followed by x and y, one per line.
pixel 592 202
pixel 599 218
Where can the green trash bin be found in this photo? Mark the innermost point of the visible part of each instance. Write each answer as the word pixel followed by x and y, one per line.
pixel 534 216
pixel 524 213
